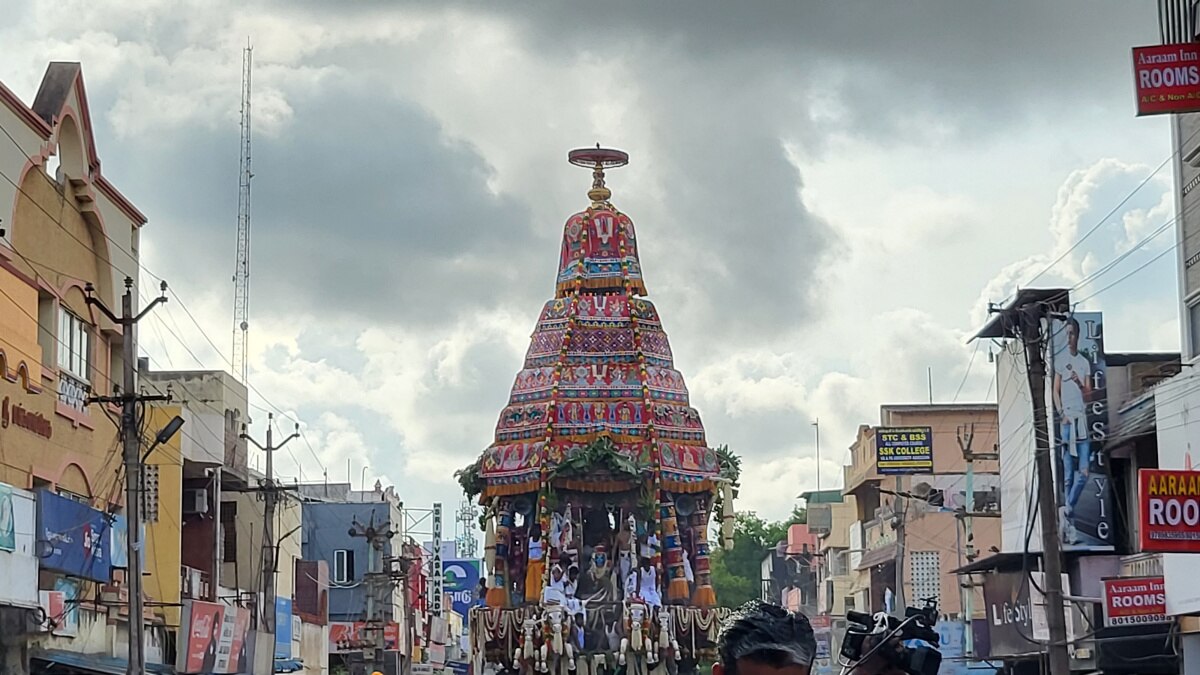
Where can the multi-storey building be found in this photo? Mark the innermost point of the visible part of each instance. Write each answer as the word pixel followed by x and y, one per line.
pixel 65 231
pixel 330 512
pixel 929 505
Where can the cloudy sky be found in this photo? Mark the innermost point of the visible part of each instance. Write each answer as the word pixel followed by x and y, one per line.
pixel 827 195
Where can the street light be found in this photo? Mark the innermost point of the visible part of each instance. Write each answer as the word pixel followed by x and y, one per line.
pixel 165 434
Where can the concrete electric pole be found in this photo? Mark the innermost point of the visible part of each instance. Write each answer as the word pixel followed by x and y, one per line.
pixel 1030 317
pixel 131 436
pixel 271 492
pixel 375 581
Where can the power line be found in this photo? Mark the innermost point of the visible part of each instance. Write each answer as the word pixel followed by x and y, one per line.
pixel 57 220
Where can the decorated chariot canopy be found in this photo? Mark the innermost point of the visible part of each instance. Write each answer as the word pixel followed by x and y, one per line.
pixel 598 405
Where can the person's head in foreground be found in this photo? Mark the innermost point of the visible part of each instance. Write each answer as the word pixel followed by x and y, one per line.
pixel 763 639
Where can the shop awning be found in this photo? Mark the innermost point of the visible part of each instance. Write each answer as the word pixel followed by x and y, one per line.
pixel 877 556
pixel 288 665
pixel 94 663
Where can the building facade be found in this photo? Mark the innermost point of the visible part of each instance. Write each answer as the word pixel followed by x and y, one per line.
pixel 65 231
pixel 930 506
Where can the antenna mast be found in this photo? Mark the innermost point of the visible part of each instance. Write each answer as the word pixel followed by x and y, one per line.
pixel 241 271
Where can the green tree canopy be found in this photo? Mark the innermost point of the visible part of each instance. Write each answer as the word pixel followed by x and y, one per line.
pixel 736 574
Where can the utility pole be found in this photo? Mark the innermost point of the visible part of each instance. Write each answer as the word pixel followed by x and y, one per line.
pixel 1031 332
pixel 270 494
pixel 132 456
pixel 1029 318
pixel 966 437
pixel 817 427
pixel 900 513
pixel 375 580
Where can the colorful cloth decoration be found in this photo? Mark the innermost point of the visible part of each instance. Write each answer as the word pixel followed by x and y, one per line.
pixel 598 365
pixel 705 595
pixel 676 579
pixel 497 595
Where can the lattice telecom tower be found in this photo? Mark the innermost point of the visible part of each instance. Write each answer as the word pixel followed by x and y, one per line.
pixel 467 521
pixel 241 271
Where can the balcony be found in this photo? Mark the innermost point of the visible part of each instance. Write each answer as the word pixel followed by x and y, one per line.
pixel 194 584
pixel 861 471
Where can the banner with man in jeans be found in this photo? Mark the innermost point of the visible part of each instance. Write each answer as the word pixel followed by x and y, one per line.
pixel 1080 396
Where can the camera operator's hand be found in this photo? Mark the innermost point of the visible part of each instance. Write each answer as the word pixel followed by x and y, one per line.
pixel 879 662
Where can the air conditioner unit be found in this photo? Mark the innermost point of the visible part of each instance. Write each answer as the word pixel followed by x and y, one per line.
pixel 195 501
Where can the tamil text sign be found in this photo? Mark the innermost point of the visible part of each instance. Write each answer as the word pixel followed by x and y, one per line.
pixel 1169 510
pixel 901 450
pixel 461 584
pixel 73 537
pixel 1167 78
pixel 1133 601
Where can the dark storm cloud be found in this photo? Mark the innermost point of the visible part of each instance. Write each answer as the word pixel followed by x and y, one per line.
pixel 363 212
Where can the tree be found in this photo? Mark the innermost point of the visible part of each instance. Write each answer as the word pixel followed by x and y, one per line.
pixel 737 573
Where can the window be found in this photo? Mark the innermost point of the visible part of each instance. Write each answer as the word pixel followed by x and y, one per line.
pixel 849 602
pixel 74 345
pixel 74 497
pixel 229 531
pixel 343 566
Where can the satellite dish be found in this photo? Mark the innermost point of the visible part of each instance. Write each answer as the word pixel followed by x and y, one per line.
pixel 685 505
pixel 523 505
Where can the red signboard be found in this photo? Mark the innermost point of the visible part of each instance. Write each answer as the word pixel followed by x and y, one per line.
pixel 214 639
pixel 1167 78
pixel 345 636
pixel 1134 601
pixel 1169 510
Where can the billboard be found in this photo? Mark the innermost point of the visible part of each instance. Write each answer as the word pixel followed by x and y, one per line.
pixel 1134 601
pixel 1016 613
pixel 19 582
pixel 119 543
pixel 1167 78
pixel 461 581
pixel 903 450
pixel 1178 431
pixel 73 537
pixel 1169 511
pixel 214 638
pixel 283 628
pixel 1078 385
pixel 345 636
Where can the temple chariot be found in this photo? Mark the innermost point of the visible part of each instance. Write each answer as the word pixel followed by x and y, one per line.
pixel 600 489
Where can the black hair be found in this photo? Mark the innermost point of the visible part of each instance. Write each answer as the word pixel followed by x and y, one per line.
pixel 767 634
pixel 1073 323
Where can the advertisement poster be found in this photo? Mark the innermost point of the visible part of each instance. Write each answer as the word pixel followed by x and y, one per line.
pixel 1177 412
pixel 903 450
pixel 462 578
pixel 74 537
pixel 204 622
pixel 8 530
pixel 239 648
pixel 1016 614
pixel 345 636
pixel 119 543
pixel 1079 393
pixel 1169 510
pixel 1134 601
pixel 283 628
pixel 1167 79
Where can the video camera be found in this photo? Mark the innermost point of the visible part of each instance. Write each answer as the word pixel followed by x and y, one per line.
pixel 909 645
